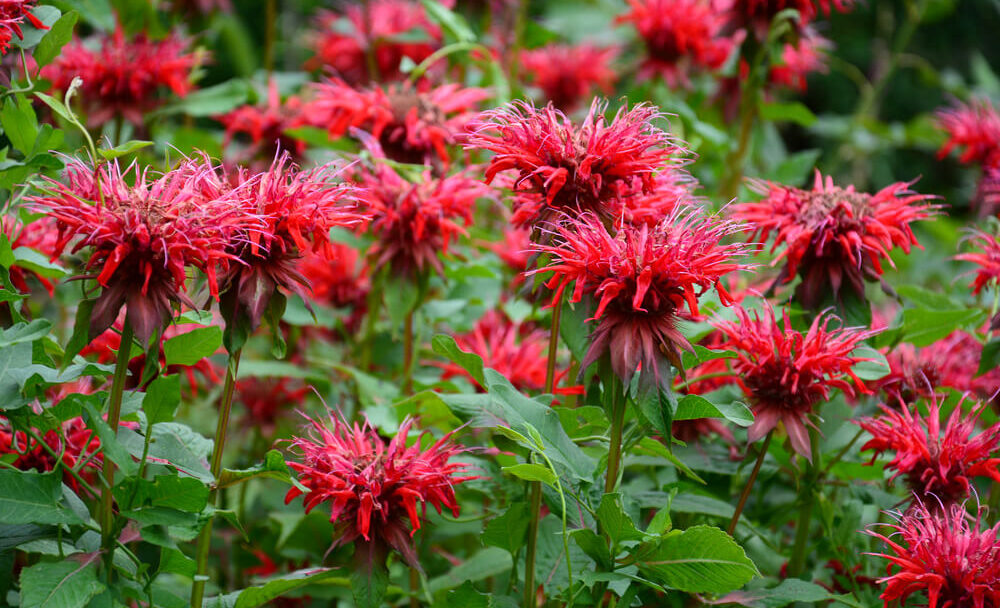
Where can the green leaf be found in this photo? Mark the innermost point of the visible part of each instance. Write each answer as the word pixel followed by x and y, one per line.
pixel 466 596
pixel 36 262
pixel 370 577
pixel 787 592
pixel 19 124
pixel 25 332
pixel 574 329
pixel 64 584
pixel 110 444
pixel 57 106
pixel 252 597
pixel 55 39
pixel 81 331
pixel 877 368
pixel 656 408
pixel 124 149
pixel 990 359
pixel 701 559
pixel 925 298
pixel 595 546
pixel 923 327
pixel 692 407
pixel 532 472
pixel 273 467
pixel 452 22
pixel 32 35
pixel 615 521
pixel 509 530
pixel 191 347
pixel 447 347
pixel 211 101
pixel 661 450
pixel 27 497
pixel 162 397
pixel 791 112
pixel 173 492
pixel 491 561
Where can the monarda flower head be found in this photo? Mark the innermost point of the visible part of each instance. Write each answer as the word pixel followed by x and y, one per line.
pixel 143 234
pixel 680 36
pixel 373 487
pixel 567 74
pixel 756 15
pixel 413 125
pixel 937 465
pixel 123 76
pixel 76 446
pixel 974 130
pixel 800 59
pixel 13 13
pixel 265 126
pixel 986 256
pixel 945 553
pixel 834 237
pixel 575 169
pixel 643 279
pixel 785 373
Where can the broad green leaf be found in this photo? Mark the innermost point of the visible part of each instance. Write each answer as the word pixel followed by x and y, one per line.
pixel 210 101
pixel 595 546
pixel 661 450
pixel 614 521
pixel 261 595
pixel 173 492
pixel 55 39
pixel 877 368
pixel 124 149
pixel 191 347
pixel 273 467
pixel 789 112
pixel 25 332
pixel 446 346
pixel 701 559
pixel 65 584
pixel 990 359
pixel 81 331
pixel 532 472
pixel 787 592
pixel 923 327
pixel 692 407
pixel 925 298
pixel 162 397
pixel 36 262
pixel 32 35
pixel 509 530
pixel 370 577
pixel 656 408
pixel 27 497
pixel 19 124
pixel 491 561
pixel 452 22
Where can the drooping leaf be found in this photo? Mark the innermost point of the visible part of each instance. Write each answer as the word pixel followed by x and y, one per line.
pixel 701 559
pixel 191 347
pixel 55 39
pixel 446 346
pixel 615 522
pixel 692 407
pixel 273 467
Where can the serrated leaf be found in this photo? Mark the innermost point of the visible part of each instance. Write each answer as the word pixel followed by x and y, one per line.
pixel 701 559
pixel 273 467
pixel 370 577
pixel 532 472
pixel 55 39
pixel 191 347
pixel 614 521
pixel 162 397
pixel 27 497
pixel 65 584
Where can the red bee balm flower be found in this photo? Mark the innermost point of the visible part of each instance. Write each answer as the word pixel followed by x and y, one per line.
pixel 642 278
pixel 575 169
pixel 144 235
pixel 265 125
pixel 799 60
pixel 785 373
pixel 945 553
pixel 986 257
pixel 679 35
pixel 12 15
pixel 973 129
pixel 834 236
pixel 935 464
pixel 121 77
pixel 568 73
pixel 756 15
pixel 374 488
pixel 74 445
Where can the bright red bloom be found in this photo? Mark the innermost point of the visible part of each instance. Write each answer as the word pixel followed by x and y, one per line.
pixel 680 36
pixel 945 553
pixel 266 399
pixel 834 237
pixel 339 280
pixel 386 25
pixel 144 234
pixel 986 257
pixel 80 444
pixel 40 236
pixel 412 125
pixel 122 77
pixel 672 188
pixel 414 223
pixel 642 279
pixel 568 73
pixel 756 15
pixel 785 373
pixel 12 15
pixel 974 130
pixel 265 126
pixel 806 56
pixel 935 464
pixel 589 167
pixel 514 250
pixel 374 488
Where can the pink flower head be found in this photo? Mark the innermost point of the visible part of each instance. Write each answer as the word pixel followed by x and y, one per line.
pixel 680 36
pixel 834 237
pixel 672 188
pixel 567 74
pixel 785 373
pixel 414 223
pixel 986 256
pixel 945 553
pixel 974 130
pixel 143 233
pixel 935 463
pixel 800 59
pixel 575 169
pixel 413 125
pixel 374 488
pixel 383 28
pixel 122 77
pixel 265 125
pixel 643 278
pixel 12 15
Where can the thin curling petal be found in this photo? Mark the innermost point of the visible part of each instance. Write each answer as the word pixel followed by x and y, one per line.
pixel 785 373
pixel 13 14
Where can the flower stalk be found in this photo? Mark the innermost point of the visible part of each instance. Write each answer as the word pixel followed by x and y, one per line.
pixel 807 499
pixel 108 534
pixel 749 484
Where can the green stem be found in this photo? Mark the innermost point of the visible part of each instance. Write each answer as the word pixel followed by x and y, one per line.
pixel 617 422
pixel 550 363
pixel 749 107
pixel 749 484
pixel 108 468
pixel 269 23
pixel 374 305
pixel 807 498
pixel 408 347
pixel 205 537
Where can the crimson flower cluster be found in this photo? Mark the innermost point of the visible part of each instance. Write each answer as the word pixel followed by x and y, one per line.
pixel 986 256
pixel 338 277
pixel 77 444
pixel 566 73
pixel 937 465
pixel 974 130
pixel 785 373
pixel 265 126
pixel 642 278
pixel 13 13
pixel 946 553
pixel 265 400
pixel 799 59
pixel 590 168
pixel 122 76
pixel 372 487
pixel 42 236
pixel 834 237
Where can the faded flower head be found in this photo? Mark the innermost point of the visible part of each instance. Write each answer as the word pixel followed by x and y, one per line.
pixel 123 76
pixel 567 73
pixel 834 237
pixel 143 233
pixel 12 14
pixel 681 36
pixel 937 465
pixel 265 126
pixel 575 169
pixel 785 373
pixel 945 553
pixel 373 487
pixel 643 279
